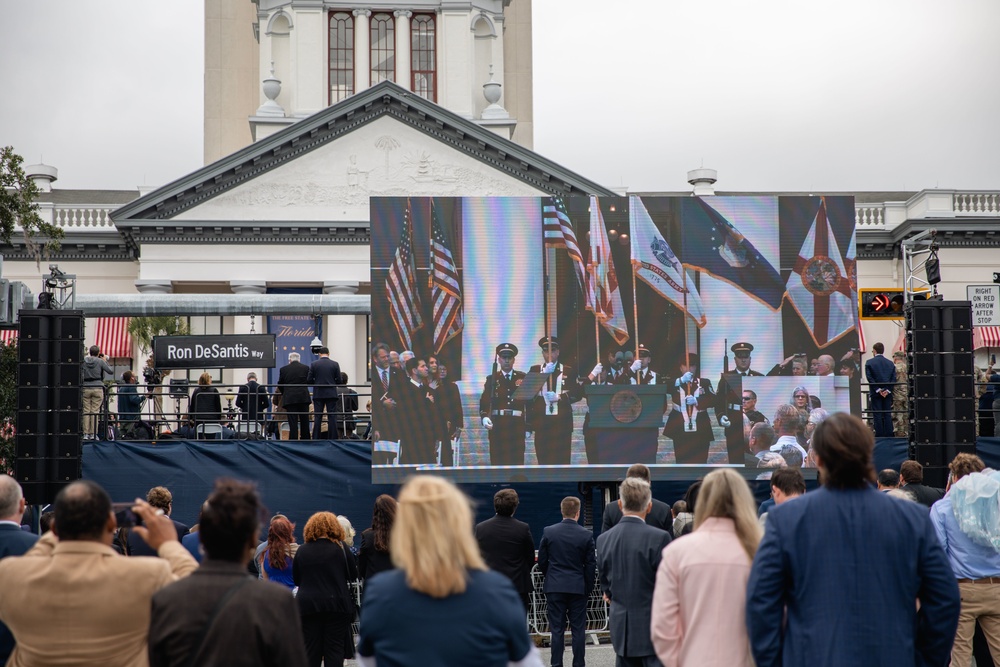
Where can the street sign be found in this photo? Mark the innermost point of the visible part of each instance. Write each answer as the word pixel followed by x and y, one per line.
pixel 985 305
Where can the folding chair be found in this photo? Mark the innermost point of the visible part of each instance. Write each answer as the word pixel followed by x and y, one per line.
pixel 209 432
pixel 387 446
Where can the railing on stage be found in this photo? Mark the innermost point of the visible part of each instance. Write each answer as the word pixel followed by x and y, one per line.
pixel 151 421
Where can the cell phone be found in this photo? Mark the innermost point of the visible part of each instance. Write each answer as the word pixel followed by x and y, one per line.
pixel 124 515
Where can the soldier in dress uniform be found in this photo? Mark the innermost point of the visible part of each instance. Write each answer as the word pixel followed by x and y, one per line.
pixel 644 374
pixel 550 414
pixel 646 440
pixel 502 416
pixel 729 405
pixel 688 424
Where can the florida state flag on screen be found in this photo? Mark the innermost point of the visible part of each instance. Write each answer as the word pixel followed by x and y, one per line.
pixel 819 287
pixel 605 299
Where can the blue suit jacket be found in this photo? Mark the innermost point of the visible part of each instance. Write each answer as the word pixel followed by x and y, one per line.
pixel 880 372
pixel 566 555
pixel 13 542
pixel 849 567
pixel 627 557
pixel 324 375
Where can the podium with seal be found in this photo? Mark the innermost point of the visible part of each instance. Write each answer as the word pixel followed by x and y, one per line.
pixel 624 422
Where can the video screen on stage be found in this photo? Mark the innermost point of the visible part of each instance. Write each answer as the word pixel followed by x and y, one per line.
pixel 550 338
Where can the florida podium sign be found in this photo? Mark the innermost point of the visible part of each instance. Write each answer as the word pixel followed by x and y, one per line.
pixel 229 351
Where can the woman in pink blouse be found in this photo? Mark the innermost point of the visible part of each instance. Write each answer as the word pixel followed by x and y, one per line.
pixel 700 596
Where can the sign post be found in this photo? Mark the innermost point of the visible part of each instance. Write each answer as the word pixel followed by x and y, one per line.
pixel 985 304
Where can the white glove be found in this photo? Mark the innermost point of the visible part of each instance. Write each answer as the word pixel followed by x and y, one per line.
pixel 598 369
pixel 551 396
pixel 690 400
pixel 687 377
pixel 636 365
pixel 549 367
pixel 488 423
pixel 724 421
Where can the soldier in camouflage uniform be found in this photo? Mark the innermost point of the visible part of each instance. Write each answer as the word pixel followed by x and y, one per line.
pixel 900 417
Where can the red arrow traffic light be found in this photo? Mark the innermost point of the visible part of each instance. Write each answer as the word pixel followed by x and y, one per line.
pixel 880 303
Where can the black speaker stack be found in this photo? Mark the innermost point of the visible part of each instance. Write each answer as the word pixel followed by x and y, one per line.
pixel 941 385
pixel 49 402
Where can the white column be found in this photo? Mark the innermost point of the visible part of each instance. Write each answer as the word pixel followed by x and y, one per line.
pixel 403 47
pixel 154 286
pixel 362 50
pixel 241 325
pixel 340 334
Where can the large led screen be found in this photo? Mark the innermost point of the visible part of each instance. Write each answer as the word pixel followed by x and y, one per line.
pixel 564 338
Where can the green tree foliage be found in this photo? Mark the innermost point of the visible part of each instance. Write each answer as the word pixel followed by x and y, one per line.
pixel 144 329
pixel 8 404
pixel 18 207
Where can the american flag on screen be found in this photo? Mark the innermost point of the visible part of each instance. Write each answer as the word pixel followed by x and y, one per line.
pixel 401 286
pixel 559 234
pixel 446 292
pixel 606 298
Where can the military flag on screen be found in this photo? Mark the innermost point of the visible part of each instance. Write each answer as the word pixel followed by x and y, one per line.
pixel 713 245
pixel 605 298
pixel 656 264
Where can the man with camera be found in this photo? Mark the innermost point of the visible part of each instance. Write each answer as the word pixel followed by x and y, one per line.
pixel 153 380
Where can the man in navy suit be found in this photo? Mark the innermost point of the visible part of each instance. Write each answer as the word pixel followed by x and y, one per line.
pixel 13 542
pixel 507 545
pixel 627 558
pixel 292 381
pixel 849 576
pixel 566 557
pixel 324 375
pixel 881 375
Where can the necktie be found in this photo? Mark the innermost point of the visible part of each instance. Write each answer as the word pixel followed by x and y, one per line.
pixel 507 375
pixel 385 379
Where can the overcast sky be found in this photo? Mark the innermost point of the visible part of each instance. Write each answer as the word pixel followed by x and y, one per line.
pixel 777 95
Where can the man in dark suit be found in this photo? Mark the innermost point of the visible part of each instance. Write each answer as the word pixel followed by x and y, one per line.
pixel 292 381
pixel 911 474
pixel 550 413
pixel 384 408
pixel 252 399
pixel 348 406
pixel 324 375
pixel 566 557
pixel 838 570
pixel 881 376
pixel 627 558
pixel 13 542
pixel 658 517
pixel 418 415
pixel 506 543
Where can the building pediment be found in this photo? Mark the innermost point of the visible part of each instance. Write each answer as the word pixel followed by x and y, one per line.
pixel 313 180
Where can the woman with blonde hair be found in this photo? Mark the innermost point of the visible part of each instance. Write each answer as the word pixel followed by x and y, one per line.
pixel 441 606
pixel 323 569
pixel 700 595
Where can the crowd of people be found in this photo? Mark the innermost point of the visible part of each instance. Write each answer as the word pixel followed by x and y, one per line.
pixel 868 569
pixel 328 410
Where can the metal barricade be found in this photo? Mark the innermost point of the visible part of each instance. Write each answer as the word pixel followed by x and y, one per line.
pixel 538 620
pixel 357 588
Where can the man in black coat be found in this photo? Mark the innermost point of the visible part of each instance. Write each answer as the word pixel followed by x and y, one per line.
pixel 566 556
pixel 253 400
pixel 729 404
pixel 506 543
pixel 501 414
pixel 324 375
pixel 260 625
pixel 418 415
pixel 627 558
pixel 881 376
pixel 912 475
pixel 292 381
pixel 658 517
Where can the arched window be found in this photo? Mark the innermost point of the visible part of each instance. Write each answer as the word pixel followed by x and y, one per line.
pixel 423 56
pixel 341 56
pixel 383 48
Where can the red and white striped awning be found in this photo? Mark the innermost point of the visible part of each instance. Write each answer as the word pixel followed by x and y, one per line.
pixel 8 335
pixel 113 337
pixel 985 337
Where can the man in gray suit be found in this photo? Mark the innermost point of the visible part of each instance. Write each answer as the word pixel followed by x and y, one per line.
pixel 627 557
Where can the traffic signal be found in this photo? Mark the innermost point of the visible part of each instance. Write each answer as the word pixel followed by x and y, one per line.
pixel 881 304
